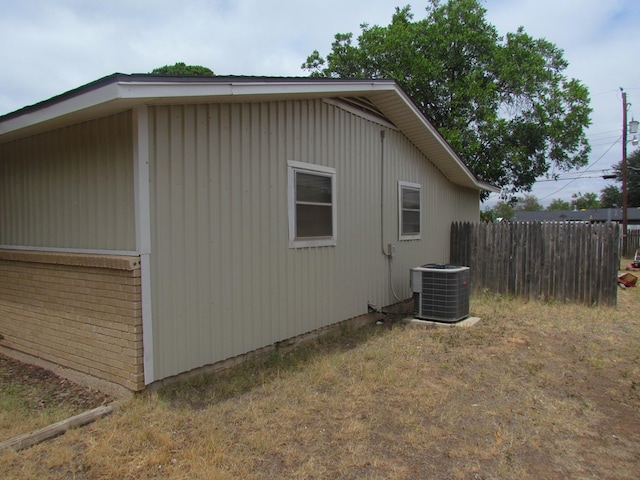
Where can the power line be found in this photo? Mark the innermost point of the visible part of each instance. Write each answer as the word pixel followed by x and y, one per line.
pixel 572 175
pixel 573 180
pixel 609 133
pixel 567 179
pixel 601 144
pixel 603 93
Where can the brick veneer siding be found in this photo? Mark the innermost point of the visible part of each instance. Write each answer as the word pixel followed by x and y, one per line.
pixel 81 311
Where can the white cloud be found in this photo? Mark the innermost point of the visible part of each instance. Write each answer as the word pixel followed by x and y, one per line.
pixel 51 47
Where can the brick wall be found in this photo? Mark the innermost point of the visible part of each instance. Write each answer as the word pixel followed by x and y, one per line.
pixel 77 310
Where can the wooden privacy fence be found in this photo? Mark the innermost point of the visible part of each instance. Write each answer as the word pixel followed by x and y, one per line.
pixel 633 242
pixel 552 260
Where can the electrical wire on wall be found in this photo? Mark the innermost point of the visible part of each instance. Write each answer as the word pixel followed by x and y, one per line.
pixel 384 252
pixel 388 255
pixel 391 281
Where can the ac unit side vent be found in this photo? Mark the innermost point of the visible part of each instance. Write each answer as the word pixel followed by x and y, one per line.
pixel 441 292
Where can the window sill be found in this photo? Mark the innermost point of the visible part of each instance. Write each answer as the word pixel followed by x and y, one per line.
pixel 312 242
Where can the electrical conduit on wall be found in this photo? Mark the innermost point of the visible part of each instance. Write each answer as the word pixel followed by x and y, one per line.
pixel 387 254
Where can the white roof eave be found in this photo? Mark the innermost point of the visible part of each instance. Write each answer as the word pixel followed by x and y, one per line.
pixel 120 95
pixel 408 118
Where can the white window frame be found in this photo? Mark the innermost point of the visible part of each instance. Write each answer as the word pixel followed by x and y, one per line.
pixel 401 187
pixel 308 168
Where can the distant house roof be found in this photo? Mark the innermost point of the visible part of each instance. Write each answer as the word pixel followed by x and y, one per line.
pixel 119 92
pixel 590 215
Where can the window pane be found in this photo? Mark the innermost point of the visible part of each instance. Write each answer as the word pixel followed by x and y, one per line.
pixel 411 198
pixel 313 221
pixel 313 188
pixel 410 222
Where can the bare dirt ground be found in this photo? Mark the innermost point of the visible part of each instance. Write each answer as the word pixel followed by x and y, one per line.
pixel 534 391
pixel 47 387
pixel 36 397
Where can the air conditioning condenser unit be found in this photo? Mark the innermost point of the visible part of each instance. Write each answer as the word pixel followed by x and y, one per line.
pixel 441 292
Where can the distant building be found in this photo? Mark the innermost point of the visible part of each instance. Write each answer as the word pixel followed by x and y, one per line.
pixel 593 215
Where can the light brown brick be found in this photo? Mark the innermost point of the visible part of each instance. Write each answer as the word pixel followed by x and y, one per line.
pixel 83 317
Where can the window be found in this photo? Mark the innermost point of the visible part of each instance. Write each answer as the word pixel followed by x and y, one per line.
pixel 409 211
pixel 312 205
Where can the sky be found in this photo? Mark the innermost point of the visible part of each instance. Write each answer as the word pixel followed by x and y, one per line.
pixel 49 47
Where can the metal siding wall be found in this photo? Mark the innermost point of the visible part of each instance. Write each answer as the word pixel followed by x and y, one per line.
pixel 224 280
pixel 442 203
pixel 70 188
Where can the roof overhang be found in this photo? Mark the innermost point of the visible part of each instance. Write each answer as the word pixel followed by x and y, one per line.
pixel 120 92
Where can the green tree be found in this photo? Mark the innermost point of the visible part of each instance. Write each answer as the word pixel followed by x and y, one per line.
pixel 528 203
pixel 584 201
pixel 559 204
pixel 488 216
pixel 186 70
pixel 504 210
pixel 610 197
pixel 503 103
pixel 633 178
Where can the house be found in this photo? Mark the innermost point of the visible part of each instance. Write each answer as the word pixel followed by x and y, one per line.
pixel 152 225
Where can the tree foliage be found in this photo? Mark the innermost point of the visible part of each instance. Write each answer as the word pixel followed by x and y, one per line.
pixel 503 103
pixel 488 216
pixel 610 197
pixel 181 68
pixel 504 210
pixel 528 203
pixel 559 204
pixel 633 178
pixel 580 201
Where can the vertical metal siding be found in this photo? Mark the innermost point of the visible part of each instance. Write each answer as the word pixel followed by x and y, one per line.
pixel 224 280
pixel 442 203
pixel 70 188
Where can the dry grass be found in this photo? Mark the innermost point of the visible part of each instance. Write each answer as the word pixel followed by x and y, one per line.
pixel 32 398
pixel 534 391
pixel 12 401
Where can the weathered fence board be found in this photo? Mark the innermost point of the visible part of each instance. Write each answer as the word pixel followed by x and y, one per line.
pixel 553 260
pixel 633 243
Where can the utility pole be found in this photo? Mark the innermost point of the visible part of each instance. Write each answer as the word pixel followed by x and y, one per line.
pixel 624 171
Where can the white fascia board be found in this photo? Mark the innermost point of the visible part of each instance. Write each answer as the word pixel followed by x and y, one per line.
pixel 90 99
pixel 470 178
pixel 127 94
pixel 173 90
pixel 158 91
pixel 436 135
pixel 488 187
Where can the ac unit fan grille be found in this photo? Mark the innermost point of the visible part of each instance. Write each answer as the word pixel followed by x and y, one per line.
pixel 443 294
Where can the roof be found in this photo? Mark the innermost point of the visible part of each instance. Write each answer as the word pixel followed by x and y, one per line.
pixel 590 215
pixel 119 92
